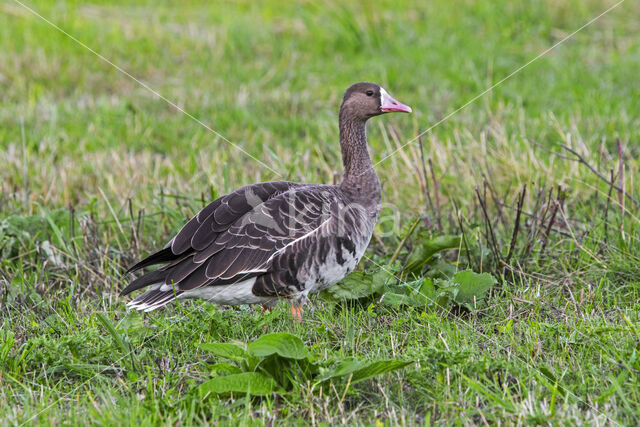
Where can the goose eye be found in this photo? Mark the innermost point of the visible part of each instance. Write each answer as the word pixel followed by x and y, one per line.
pixel 369 93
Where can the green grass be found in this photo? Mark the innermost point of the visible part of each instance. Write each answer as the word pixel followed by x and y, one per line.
pixel 96 172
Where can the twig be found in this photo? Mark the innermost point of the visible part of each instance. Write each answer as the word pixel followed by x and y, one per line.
pixel 464 235
pixel 426 178
pixel 134 234
pixel 581 159
pixel 436 190
pixel 516 226
pixel 621 186
pixel 140 225
pixel 534 227
pixel 545 238
pixel 403 241
pixel 573 236
pixel 530 215
pixel 72 225
pixel 606 210
pixel 543 148
pixel 491 236
pixel 494 196
pixel 548 204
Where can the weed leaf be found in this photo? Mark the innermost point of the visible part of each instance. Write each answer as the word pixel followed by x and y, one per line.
pixel 417 293
pixel 284 345
pixel 427 249
pixel 361 284
pixel 472 287
pixel 245 383
pixel 225 350
pixel 224 369
pixel 361 370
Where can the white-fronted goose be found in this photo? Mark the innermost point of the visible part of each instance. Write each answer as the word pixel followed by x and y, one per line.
pixel 277 239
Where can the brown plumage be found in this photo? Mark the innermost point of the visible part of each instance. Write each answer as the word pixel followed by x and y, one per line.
pixel 276 239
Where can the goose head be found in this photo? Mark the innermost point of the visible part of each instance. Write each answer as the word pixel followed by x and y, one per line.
pixel 365 100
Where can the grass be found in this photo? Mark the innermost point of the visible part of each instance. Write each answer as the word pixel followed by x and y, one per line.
pixel 97 171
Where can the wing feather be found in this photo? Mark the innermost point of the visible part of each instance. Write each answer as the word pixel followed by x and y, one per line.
pixel 181 270
pixel 240 236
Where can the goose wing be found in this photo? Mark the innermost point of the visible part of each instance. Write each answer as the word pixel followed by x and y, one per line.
pixel 204 228
pixel 213 219
pixel 237 249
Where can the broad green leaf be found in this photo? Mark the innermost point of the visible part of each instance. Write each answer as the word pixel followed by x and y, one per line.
pixel 395 299
pixel 360 370
pixel 341 369
pixel 224 369
pixel 441 270
pixel 424 292
pixel 226 350
pixel 446 292
pixel 354 286
pixel 418 293
pixel 362 284
pixel 427 290
pixel 284 345
pixel 381 279
pixel 427 249
pixel 373 369
pixel 472 287
pixel 246 383
pixel 287 372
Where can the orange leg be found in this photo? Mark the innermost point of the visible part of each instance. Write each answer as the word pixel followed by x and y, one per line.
pixel 296 312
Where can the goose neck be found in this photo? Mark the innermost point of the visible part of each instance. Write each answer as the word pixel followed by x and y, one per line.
pixel 359 179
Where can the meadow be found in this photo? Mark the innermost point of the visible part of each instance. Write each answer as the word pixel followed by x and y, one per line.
pixel 502 284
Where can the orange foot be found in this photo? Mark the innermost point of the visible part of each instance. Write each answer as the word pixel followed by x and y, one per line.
pixel 296 312
pixel 266 308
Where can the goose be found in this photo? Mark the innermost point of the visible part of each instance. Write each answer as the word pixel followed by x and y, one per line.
pixel 276 240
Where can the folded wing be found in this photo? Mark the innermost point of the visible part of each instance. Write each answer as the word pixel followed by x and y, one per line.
pixel 235 238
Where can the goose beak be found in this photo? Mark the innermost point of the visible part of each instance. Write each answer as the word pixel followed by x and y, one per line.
pixel 390 105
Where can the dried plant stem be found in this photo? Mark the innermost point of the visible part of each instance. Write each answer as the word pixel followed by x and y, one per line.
pixel 531 215
pixel 134 232
pixel 464 235
pixel 516 226
pixel 494 196
pixel 554 212
pixel 534 230
pixel 621 186
pixel 620 189
pixel 491 237
pixel 436 189
pixel 606 209
pixel 425 177
pixel 404 241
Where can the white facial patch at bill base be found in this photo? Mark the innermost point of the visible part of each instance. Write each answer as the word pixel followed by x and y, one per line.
pixel 390 105
pixel 384 96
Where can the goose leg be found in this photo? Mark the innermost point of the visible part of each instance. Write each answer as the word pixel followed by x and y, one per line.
pixel 265 308
pixel 296 312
